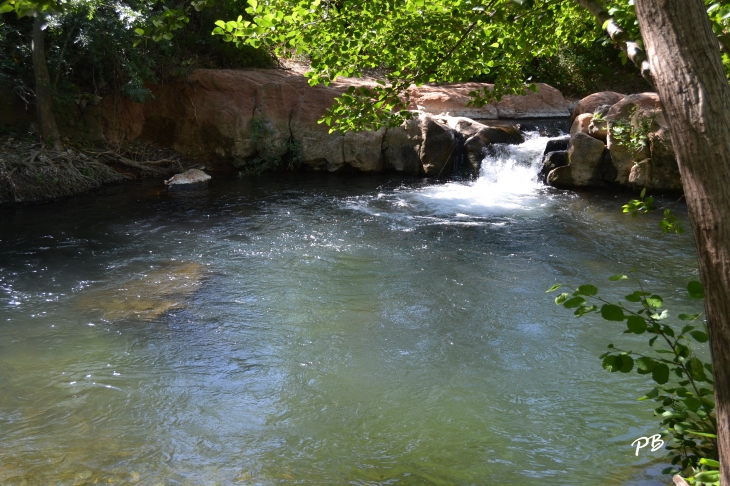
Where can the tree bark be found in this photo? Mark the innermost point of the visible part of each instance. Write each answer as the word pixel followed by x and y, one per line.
pixel 43 98
pixel 684 59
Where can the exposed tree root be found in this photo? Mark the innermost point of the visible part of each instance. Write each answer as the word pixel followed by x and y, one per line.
pixel 49 174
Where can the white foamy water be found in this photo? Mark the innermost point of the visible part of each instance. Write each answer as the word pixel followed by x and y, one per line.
pixel 507 181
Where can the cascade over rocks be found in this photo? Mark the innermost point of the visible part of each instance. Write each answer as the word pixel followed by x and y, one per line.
pixel 647 162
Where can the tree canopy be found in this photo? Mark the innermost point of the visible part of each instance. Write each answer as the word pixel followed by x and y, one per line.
pixel 422 41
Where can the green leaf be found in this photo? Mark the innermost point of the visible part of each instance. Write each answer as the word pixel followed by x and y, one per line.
pixel 574 302
pixel 701 434
pixel 698 371
pixel 560 298
pixel 645 365
pixel 139 31
pixel 614 278
pixel 636 324
pixel 709 462
pixel 654 301
pixel 708 476
pixel 688 317
pixel 612 312
pixel 660 373
pixel 588 290
pixel 584 309
pixel 699 336
pixel 695 290
pixel 609 363
pixel 624 363
pixel 554 288
pixel 692 403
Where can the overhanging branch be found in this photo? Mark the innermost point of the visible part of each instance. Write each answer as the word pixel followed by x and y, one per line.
pixel 619 36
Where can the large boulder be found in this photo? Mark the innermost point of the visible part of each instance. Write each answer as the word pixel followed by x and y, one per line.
pixel 654 165
pixel 402 146
pixel 453 99
pixel 593 101
pixel 585 155
pixel 581 123
pixel 438 148
pixel 363 150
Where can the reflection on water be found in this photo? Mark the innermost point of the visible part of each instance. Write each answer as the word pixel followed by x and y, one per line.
pixel 322 330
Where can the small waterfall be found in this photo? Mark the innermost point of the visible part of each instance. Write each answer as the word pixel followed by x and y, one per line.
pixel 508 180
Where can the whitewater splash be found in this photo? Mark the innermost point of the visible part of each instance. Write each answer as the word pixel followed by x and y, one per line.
pixel 507 181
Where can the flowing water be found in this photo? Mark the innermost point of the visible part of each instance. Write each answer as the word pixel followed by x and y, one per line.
pixel 314 329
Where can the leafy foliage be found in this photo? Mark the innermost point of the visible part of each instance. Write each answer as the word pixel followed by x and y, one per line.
pixel 683 382
pixel 645 204
pixel 416 42
pixel 633 132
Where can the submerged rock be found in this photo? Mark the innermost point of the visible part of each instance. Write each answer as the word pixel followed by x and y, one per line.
pixel 190 179
pixel 145 296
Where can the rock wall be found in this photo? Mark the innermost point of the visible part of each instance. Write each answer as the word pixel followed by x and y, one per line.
pixel 599 155
pixel 245 116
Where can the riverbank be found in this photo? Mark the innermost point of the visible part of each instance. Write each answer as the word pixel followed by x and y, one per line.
pixel 31 171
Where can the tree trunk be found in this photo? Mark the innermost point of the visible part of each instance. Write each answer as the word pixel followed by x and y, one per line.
pixel 43 98
pixel 685 63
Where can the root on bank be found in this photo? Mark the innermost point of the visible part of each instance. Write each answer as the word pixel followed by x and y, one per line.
pixel 31 172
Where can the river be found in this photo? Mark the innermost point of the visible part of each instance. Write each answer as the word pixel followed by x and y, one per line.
pixel 315 329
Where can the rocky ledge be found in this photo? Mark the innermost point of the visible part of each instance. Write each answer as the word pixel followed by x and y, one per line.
pixel 266 118
pixel 616 141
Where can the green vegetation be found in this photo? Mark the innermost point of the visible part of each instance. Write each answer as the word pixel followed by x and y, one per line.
pixel 684 385
pixel 100 47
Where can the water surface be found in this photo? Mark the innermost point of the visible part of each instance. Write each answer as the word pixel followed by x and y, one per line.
pixel 314 329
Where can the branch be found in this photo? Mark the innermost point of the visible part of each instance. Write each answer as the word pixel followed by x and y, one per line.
pixel 619 36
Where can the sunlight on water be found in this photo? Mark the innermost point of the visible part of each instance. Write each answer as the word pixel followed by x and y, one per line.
pixel 323 330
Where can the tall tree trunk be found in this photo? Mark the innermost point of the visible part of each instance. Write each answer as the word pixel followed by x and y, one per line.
pixel 43 98
pixel 684 57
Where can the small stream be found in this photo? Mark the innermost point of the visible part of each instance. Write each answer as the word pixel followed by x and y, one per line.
pixel 319 329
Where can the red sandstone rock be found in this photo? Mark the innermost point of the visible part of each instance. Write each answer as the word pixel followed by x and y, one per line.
pixel 264 113
pixel 593 101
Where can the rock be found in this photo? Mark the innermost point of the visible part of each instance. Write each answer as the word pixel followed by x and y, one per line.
pixel 622 159
pixel 585 155
pixel 551 161
pixel 592 101
pixel 665 175
pixel 501 134
pixel 453 99
pixel 645 104
pixel 557 144
pixel 465 126
pixel 581 123
pixel 548 102
pixel 363 150
pixel 475 149
pixel 144 296
pixel 437 149
pixel 640 175
pixel 190 179
pixel 253 114
pixel 320 150
pixel 401 148
pixel 598 128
